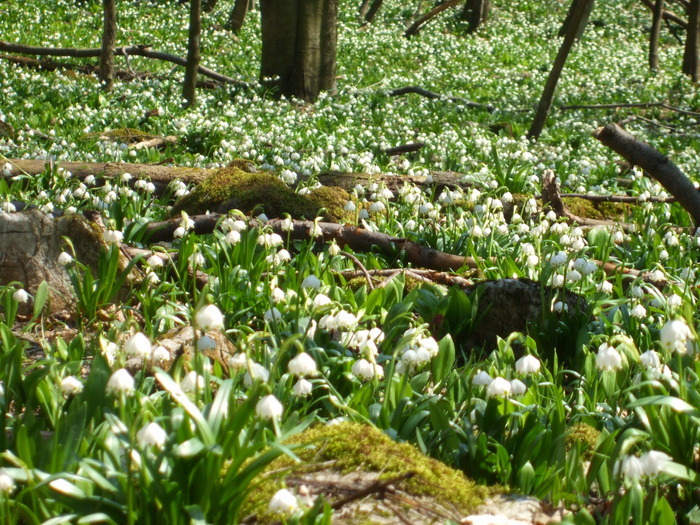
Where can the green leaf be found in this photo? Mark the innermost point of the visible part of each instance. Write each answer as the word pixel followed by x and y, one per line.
pixel 526 476
pixel 442 364
pixel 42 293
pixel 674 403
pixel 676 470
pixel 189 448
pixel 97 517
pixel 662 512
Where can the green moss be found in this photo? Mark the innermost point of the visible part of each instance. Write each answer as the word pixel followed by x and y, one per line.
pixel 596 210
pixel 255 193
pixel 349 447
pixel 584 434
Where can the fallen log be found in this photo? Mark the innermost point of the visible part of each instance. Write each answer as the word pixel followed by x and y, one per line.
pixel 415 27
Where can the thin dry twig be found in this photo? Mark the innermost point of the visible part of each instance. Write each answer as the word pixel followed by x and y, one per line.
pixel 361 267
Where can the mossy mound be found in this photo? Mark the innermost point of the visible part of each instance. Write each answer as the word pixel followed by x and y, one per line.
pixel 614 211
pixel 355 449
pixel 254 193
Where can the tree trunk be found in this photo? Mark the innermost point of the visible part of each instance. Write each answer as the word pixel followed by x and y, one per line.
pixel 237 16
pixel 209 5
pixel 579 19
pixel 475 12
pixel 575 19
pixel 364 7
pixel 373 10
pixel 299 46
pixel 691 56
pixel 654 37
pixel 109 37
pixel 189 89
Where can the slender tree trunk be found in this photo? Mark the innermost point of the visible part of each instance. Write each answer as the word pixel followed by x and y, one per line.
pixel 691 56
pixel 575 18
pixel 580 17
pixel 109 37
pixel 373 10
pixel 237 16
pixel 209 5
pixel 475 12
pixel 654 37
pixel 364 7
pixel 299 46
pixel 189 89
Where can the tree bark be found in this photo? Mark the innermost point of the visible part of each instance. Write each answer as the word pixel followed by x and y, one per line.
pixel 364 7
pixel 475 13
pixel 638 153
pixel 575 20
pixel 583 9
pixel 237 16
pixel 415 27
pixel 299 46
pixel 189 89
pixel 654 37
pixel 691 56
pixel 109 38
pixel 373 10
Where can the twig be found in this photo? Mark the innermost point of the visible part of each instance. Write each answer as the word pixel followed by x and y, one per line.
pixel 361 267
pixel 417 90
pixel 373 488
pixel 415 27
pixel 662 105
pixel 404 148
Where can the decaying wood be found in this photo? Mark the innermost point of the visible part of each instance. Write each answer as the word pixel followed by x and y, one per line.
pixel 657 165
pixel 405 148
pixel 362 268
pixel 415 27
pixel 444 278
pixel 417 90
pixel 156 142
pixel 628 199
pixel 620 105
pixel 140 50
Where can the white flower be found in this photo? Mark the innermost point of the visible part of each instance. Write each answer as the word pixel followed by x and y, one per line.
pixel 365 370
pixel 302 388
pixel 605 287
pixel 154 261
pixel 283 502
pixel 138 345
pixel 209 318
pixel 573 276
pixel 560 306
pixel 109 351
pixel 21 296
pixel 232 237
pixel 7 169
pixel 238 362
pixel 639 312
pixel 161 354
pixel 320 301
pixel 64 258
pixel 517 387
pixel 674 301
pixel 113 236
pixel 120 382
pixel 179 232
pixel 498 387
pixel 272 313
pixel 654 462
pixel 286 225
pixel 191 382
pixel 650 359
pixel 71 386
pixel 608 358
pixel 311 281
pixel 675 336
pixel 269 407
pixel 333 249
pixel 206 343
pixel 256 372
pixel 481 379
pixel 151 435
pixel 350 207
pixel 558 259
pixel 7 484
pixel 527 364
pixel 196 259
pixel 630 467
pixel 302 365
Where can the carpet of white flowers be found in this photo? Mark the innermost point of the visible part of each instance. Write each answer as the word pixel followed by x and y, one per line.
pixel 597 413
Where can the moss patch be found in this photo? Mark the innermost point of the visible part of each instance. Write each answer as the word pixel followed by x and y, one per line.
pixel 254 193
pixel 584 434
pixel 596 210
pixel 352 447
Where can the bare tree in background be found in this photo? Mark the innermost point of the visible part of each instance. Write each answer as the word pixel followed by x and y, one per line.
pixel 475 13
pixel 237 16
pixel 109 37
pixel 691 56
pixel 654 37
pixel 189 92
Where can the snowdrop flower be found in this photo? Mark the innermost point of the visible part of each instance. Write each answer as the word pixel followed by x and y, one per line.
pixel 605 287
pixel 654 462
pixel 333 249
pixel 557 280
pixel 558 259
pixel 209 318
pixel 161 354
pixel 639 312
pixel 232 237
pixel 71 386
pixel 109 351
pixel 650 359
pixel 499 387
pixel 302 365
pixel 179 232
pixel 196 259
pixel 7 169
pixel 191 382
pixel 320 301
pixel 517 387
pixel 286 225
pixel 120 382
pixel 528 364
pixel 269 407
pixel 154 261
pixel 481 379
pixel 151 435
pixel 365 370
pixel 674 301
pixel 113 236
pixel 238 362
pixel 311 281
pixel 7 484
pixel 255 372
pixel 573 276
pixel 676 336
pixel 608 358
pixel 138 345
pixel 283 502
pixel 21 296
pixel 302 388
pixel 350 207
pixel 630 467
pixel 272 314
pixel 377 207
pixel 65 258
pixel 560 306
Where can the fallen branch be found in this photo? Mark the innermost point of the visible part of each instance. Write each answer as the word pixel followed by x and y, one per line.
pixel 443 278
pixel 657 165
pixel 140 50
pixel 667 15
pixel 415 27
pixel 617 198
pixel 405 148
pixel 662 105
pixel 362 268
pixel 417 90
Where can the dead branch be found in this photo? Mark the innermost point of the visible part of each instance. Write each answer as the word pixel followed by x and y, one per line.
pixel 361 267
pixel 156 142
pixel 443 278
pixel 667 15
pixel 657 165
pixel 417 90
pixel 405 148
pixel 617 198
pixel 140 50
pixel 415 27
pixel 662 105
pixel 376 487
